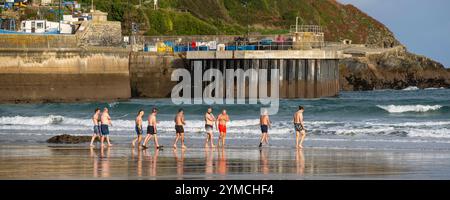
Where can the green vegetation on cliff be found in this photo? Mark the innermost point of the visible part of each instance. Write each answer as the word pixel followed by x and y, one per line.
pixel 201 17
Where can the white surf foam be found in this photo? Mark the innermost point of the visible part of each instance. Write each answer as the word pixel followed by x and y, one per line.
pixel 440 88
pixel 37 120
pixel 411 88
pixel 409 108
pixel 245 128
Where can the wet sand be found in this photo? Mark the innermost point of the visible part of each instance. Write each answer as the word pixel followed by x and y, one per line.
pixel 123 162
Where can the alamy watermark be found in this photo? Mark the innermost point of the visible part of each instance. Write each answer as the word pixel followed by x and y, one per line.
pixel 227 88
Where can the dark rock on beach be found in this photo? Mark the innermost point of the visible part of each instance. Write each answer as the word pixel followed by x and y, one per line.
pixel 69 139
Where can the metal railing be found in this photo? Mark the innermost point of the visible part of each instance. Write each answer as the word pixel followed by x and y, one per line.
pixel 306 28
pixel 172 46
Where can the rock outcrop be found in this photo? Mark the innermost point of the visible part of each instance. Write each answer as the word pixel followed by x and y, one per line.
pixel 393 69
pixel 69 139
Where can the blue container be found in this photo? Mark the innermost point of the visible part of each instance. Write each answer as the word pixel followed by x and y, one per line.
pixel 250 47
pixel 180 48
pixel 230 48
pixel 203 48
pixel 168 43
pixel 241 48
pixel 266 42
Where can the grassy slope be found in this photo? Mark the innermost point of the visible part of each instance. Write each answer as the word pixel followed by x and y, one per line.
pixel 264 16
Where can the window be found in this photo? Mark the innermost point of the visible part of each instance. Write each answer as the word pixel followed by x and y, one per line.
pixel 40 25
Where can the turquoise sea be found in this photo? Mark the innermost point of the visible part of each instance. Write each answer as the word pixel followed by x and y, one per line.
pixel 386 119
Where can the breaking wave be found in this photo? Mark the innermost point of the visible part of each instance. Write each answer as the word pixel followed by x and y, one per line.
pixel 409 108
pixel 38 120
pixel 411 88
pixel 243 128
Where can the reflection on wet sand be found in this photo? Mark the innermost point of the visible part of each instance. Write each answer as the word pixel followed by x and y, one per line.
pixel 179 162
pixel 300 162
pixel 222 161
pixel 264 163
pixel 95 158
pixel 209 162
pixel 65 162
pixel 153 161
pixel 104 162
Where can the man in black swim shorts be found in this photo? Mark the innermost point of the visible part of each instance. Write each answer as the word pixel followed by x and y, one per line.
pixel 179 128
pixel 151 129
pixel 299 127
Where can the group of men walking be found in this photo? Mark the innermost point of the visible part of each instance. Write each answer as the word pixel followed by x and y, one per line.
pixel 102 121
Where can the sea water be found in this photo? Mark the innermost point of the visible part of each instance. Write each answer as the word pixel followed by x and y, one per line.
pixel 385 119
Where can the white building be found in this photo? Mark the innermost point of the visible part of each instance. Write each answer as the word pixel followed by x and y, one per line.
pixel 44 26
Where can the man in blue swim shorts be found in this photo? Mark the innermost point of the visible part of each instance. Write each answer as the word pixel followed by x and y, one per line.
pixel 106 122
pixel 96 122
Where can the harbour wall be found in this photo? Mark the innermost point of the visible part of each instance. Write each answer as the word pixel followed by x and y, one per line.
pixel 55 68
pixel 55 75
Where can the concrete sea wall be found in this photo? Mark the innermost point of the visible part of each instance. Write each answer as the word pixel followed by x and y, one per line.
pixel 63 75
pixel 150 74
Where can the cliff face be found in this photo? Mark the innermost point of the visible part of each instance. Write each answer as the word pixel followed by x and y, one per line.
pixel 211 17
pixel 393 69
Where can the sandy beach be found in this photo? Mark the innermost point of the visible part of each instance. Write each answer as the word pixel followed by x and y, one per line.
pixel 273 163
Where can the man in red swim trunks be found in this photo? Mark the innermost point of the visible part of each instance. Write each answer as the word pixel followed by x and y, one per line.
pixel 221 124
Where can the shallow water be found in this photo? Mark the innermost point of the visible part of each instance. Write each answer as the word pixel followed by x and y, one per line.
pixel 387 119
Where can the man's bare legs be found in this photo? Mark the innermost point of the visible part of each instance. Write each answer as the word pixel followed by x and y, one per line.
pixel 211 136
pixel 297 138
pixel 262 140
pixel 209 139
pixel 223 135
pixel 182 141
pixel 221 140
pixel 93 139
pixel 176 140
pixel 138 139
pixel 102 140
pixel 156 142
pixel 107 140
pixel 266 138
pixel 303 133
pixel 146 140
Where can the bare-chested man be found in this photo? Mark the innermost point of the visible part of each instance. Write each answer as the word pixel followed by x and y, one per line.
pixel 209 127
pixel 96 121
pixel 221 125
pixel 179 128
pixel 138 128
pixel 265 123
pixel 151 129
pixel 299 127
pixel 106 122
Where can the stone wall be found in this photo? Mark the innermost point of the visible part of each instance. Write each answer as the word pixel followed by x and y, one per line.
pixel 150 74
pixel 63 76
pixel 106 33
pixel 30 41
